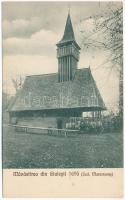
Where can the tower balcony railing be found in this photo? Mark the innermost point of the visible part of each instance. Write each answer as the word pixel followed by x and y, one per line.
pixel 63 54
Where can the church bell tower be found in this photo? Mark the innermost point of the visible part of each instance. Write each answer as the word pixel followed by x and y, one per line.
pixel 67 53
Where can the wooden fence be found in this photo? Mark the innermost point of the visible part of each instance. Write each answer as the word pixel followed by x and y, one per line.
pixel 45 131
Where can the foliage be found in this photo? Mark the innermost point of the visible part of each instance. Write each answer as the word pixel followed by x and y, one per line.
pixel 5 101
pixel 107 34
pixel 18 83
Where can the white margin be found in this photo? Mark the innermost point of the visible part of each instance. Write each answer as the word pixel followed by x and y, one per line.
pixel 1 94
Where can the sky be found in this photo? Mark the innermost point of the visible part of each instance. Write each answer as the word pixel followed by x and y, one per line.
pixel 30 31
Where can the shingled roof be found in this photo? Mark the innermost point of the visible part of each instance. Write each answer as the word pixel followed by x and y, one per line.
pixel 68 35
pixel 41 92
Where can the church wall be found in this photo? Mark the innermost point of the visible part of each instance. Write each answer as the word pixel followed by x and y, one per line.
pixel 45 122
pixel 43 119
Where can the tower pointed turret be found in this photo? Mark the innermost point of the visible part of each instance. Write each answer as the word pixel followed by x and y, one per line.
pixel 67 53
pixel 68 32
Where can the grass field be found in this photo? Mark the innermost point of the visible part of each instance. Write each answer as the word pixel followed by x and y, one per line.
pixel 21 150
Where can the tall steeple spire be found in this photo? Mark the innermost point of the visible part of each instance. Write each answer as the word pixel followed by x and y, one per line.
pixel 68 35
pixel 67 53
pixel 68 32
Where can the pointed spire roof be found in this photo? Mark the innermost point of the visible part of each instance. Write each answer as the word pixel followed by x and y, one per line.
pixel 68 35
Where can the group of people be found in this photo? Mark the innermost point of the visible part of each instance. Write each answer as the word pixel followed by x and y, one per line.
pixel 85 125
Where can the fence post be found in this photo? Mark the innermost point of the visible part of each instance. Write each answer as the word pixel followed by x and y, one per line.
pixel 65 133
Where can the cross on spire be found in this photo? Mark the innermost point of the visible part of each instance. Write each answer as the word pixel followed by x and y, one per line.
pixel 68 8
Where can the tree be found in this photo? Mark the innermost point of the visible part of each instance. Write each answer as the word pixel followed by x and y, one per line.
pixel 5 100
pixel 107 34
pixel 17 82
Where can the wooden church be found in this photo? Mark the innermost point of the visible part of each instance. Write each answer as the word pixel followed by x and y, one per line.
pixel 50 100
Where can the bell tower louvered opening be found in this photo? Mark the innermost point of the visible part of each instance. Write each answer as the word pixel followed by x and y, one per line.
pixel 67 53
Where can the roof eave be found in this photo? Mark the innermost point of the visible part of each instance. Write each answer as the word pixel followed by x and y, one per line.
pixel 64 42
